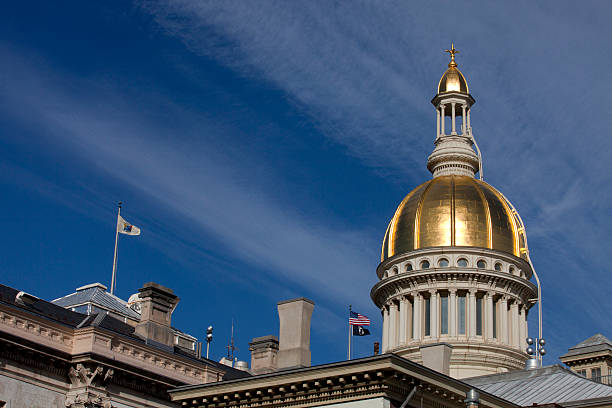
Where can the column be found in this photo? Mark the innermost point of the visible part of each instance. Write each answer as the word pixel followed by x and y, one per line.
pixel 522 326
pixel 437 123
pixel 514 315
pixel 472 313
pixel 385 335
pixel 434 318
pixel 489 316
pixel 469 124
pixel 463 122
pixel 442 112
pixel 503 319
pixel 452 313
pixel 393 324
pixel 403 319
pixel 416 321
pixel 454 132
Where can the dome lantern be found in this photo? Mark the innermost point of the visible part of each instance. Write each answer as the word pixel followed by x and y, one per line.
pixel 453 154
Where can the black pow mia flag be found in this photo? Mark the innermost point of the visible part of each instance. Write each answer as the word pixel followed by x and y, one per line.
pixel 360 331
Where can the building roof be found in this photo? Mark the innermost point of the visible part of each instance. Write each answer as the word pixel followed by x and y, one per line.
pixel 96 294
pixel 595 343
pixel 363 378
pixel 547 385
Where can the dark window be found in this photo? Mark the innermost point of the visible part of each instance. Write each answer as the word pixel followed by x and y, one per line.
pixel 481 264
pixel 424 264
pixel 498 266
pixel 479 316
pixel 462 262
pixel 461 313
pixel 444 314
pixel 427 316
pixel 409 267
pixel 443 263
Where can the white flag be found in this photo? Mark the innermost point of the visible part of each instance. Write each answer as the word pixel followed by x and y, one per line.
pixel 125 227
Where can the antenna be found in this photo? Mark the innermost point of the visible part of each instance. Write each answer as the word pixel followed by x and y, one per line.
pixel 230 346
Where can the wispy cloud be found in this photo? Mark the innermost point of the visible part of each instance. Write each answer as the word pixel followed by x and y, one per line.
pixel 365 71
pixel 199 182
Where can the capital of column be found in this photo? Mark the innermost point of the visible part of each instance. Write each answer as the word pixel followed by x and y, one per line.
pixel 433 292
pixel 452 291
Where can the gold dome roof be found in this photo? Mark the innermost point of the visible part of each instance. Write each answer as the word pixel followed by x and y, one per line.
pixel 453 80
pixel 454 211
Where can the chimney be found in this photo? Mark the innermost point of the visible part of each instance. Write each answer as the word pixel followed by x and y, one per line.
pixel 294 333
pixel 157 303
pixel 437 357
pixel 264 354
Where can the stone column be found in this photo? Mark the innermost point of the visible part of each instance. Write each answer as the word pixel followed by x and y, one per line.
pixel 522 326
pixel 442 112
pixel 416 321
pixel 489 316
pixel 503 319
pixel 454 131
pixel 385 335
pixel 472 313
pixel 403 319
pixel 452 313
pixel 469 124
pixel 514 315
pixel 463 122
pixel 393 314
pixel 437 123
pixel 434 316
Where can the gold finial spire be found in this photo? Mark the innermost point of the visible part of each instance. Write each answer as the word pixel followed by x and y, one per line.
pixel 452 53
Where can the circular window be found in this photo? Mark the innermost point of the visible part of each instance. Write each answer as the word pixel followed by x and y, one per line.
pixel 498 266
pixel 443 263
pixel 462 262
pixel 424 264
pixel 481 264
pixel 511 270
pixel 408 267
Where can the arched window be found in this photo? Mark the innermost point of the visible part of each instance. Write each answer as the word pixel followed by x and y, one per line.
pixel 443 263
pixel 425 264
pixel 511 270
pixel 481 264
pixel 462 263
pixel 408 267
pixel 498 266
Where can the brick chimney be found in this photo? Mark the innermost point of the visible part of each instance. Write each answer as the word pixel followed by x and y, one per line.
pixel 157 303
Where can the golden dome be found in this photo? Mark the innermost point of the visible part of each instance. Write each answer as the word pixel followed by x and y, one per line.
pixel 453 80
pixel 454 211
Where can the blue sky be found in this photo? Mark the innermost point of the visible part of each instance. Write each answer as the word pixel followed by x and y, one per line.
pixel 262 147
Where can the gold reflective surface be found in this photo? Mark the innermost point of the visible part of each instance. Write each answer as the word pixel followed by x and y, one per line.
pixel 453 80
pixel 454 211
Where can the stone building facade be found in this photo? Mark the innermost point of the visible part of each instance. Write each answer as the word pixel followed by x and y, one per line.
pixel 54 357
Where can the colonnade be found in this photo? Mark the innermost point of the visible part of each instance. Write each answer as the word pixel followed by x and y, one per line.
pixel 444 315
pixel 440 115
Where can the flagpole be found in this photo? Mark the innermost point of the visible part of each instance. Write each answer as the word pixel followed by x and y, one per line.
pixel 112 288
pixel 350 333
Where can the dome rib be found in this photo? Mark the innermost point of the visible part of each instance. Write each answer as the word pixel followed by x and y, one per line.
pixel 485 204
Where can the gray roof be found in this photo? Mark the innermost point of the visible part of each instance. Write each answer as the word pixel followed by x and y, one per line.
pixel 96 294
pixel 593 344
pixel 547 385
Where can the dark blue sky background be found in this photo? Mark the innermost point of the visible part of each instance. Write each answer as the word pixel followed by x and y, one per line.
pixel 263 146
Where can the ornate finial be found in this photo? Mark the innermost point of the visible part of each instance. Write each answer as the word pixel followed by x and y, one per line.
pixel 452 53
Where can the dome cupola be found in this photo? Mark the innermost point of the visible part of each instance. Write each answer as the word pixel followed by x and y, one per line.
pixel 453 80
